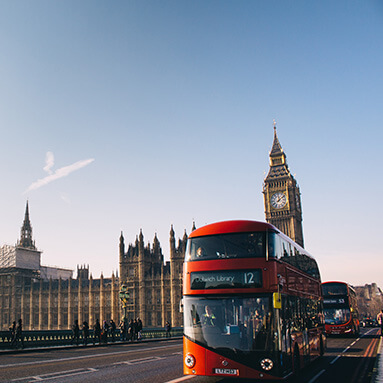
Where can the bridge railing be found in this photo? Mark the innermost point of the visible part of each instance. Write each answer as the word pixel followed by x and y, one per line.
pixel 52 338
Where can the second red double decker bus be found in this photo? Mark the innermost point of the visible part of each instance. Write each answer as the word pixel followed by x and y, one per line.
pixel 251 301
pixel 340 308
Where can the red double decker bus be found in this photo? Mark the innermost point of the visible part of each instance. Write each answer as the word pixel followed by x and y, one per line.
pixel 340 308
pixel 251 301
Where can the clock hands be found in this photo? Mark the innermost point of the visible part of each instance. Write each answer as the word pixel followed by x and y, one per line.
pixel 278 200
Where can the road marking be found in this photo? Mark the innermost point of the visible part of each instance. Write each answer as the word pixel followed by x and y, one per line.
pixel 316 376
pixel 348 347
pixel 56 375
pixel 186 377
pixel 142 360
pixel 370 349
pixel 334 360
pixel 80 357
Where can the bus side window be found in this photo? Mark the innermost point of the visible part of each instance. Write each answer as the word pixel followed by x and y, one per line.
pixel 286 252
pixel 278 248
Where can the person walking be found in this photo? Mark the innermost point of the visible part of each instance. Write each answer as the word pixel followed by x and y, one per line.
pixel 135 329
pixel 105 329
pixel 75 332
pixel 139 329
pixel 85 332
pixel 168 328
pixel 131 328
pixel 97 332
pixel 12 335
pixel 18 335
pixel 112 329
pixel 122 327
pixel 379 319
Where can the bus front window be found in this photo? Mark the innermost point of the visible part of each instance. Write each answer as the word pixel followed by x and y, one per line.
pixel 336 315
pixel 243 324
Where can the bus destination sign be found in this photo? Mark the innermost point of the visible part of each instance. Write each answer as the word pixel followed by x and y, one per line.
pixel 226 279
pixel 334 301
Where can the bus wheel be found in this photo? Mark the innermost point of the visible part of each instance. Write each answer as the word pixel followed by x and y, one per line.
pixel 296 362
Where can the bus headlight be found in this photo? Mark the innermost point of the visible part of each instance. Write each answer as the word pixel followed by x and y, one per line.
pixel 267 364
pixel 189 360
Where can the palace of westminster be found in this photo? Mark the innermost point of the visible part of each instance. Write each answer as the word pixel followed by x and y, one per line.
pixel 48 298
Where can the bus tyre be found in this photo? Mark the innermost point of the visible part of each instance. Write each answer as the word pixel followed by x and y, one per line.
pixel 296 362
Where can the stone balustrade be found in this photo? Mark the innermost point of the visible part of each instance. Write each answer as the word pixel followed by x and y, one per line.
pixel 54 338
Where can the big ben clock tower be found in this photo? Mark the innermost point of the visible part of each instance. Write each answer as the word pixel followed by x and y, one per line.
pixel 282 196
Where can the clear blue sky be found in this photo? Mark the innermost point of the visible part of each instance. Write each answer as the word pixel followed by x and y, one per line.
pixel 170 106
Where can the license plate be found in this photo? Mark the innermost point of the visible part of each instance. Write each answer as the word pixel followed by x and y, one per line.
pixel 226 371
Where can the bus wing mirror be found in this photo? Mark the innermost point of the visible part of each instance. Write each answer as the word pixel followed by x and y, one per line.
pixel 277 300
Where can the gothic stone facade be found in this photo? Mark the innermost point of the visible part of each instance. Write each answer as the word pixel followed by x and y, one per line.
pixel 154 287
pixel 55 304
pixel 47 298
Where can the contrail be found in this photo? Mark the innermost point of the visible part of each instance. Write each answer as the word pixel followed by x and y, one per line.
pixel 49 162
pixel 59 173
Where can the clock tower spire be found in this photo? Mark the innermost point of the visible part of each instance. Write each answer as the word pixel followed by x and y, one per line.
pixel 282 196
pixel 26 240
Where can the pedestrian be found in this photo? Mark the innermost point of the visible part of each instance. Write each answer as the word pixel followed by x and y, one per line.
pixel 105 329
pixel 135 329
pixel 18 335
pixel 168 328
pixel 97 332
pixel 131 332
pixel 75 332
pixel 139 329
pixel 122 327
pixel 12 335
pixel 379 318
pixel 85 332
pixel 112 328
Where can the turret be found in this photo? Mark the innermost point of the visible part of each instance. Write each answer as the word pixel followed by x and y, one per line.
pixel 26 233
pixel 122 245
pixel 172 242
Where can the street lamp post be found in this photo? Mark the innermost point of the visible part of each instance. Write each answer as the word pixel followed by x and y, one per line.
pixel 124 296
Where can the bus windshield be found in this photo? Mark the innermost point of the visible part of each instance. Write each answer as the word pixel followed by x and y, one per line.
pixel 238 245
pixel 233 323
pixel 336 315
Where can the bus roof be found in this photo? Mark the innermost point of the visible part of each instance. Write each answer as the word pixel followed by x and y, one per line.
pixel 241 226
pixel 338 282
pixel 237 226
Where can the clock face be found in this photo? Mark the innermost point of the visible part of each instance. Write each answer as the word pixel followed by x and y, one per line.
pixel 278 200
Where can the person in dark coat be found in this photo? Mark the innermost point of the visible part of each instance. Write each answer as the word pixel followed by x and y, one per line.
pixel 18 334
pixel 131 328
pixel 112 329
pixel 12 335
pixel 168 328
pixel 122 330
pixel 85 332
pixel 139 329
pixel 97 332
pixel 105 329
pixel 75 332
